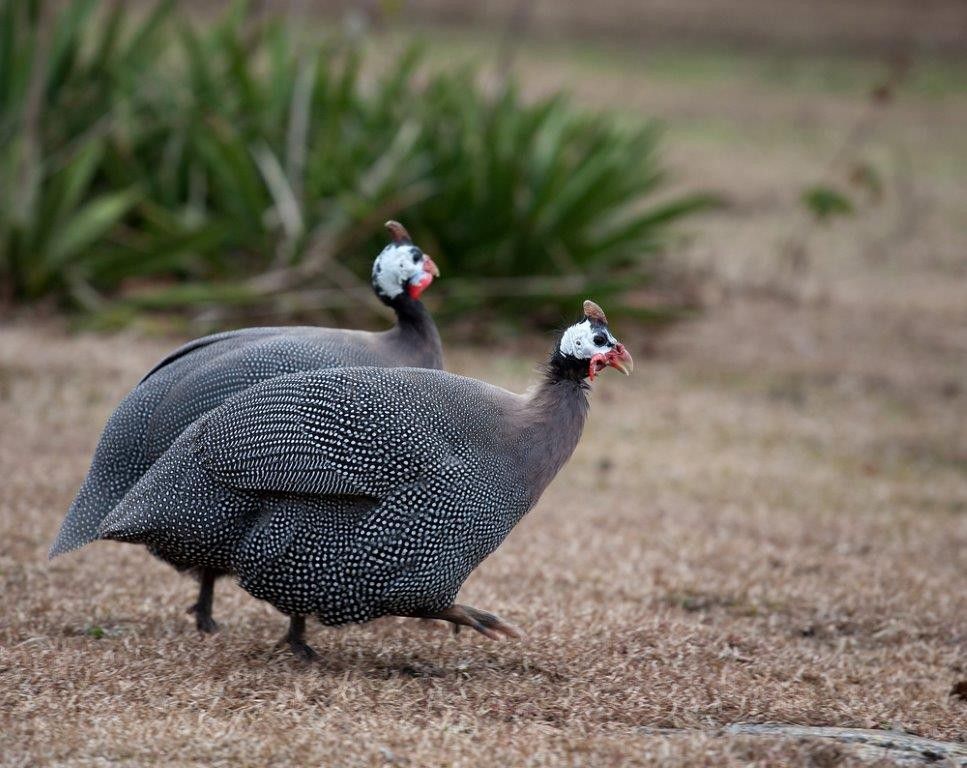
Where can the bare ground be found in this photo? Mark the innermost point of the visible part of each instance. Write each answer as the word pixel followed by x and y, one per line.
pixel 766 523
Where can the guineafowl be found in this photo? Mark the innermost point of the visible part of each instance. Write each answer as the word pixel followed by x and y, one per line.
pixel 204 373
pixel 355 493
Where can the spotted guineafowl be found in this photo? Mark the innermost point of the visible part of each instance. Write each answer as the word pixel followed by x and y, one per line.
pixel 204 373
pixel 355 493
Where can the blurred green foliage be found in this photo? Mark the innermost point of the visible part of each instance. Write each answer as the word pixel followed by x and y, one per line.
pixel 825 203
pixel 149 163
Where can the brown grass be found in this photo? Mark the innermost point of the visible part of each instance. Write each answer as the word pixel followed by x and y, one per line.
pixel 875 25
pixel 747 533
pixel 767 522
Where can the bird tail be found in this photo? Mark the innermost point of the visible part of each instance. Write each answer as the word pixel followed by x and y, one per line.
pixel 80 523
pixel 145 511
pixel 108 479
pixel 180 512
pixel 118 463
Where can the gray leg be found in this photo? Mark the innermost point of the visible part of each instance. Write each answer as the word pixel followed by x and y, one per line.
pixel 485 623
pixel 296 638
pixel 203 608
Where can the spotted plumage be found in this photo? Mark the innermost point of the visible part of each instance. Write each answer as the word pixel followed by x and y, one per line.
pixel 204 373
pixel 355 493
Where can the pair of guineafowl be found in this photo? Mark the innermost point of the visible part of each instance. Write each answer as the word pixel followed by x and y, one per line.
pixel 336 473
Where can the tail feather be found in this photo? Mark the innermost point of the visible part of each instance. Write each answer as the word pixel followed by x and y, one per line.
pixel 180 512
pixel 145 511
pixel 126 522
pixel 99 494
pixel 119 462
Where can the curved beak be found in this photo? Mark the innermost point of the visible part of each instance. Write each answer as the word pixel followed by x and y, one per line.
pixel 430 266
pixel 421 283
pixel 620 359
pixel 617 357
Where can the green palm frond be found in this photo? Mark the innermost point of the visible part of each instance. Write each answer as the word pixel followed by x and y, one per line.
pixel 146 150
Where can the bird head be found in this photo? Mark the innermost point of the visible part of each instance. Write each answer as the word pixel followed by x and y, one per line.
pixel 402 268
pixel 587 348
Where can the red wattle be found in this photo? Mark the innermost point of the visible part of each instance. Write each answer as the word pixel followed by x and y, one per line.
pixel 598 363
pixel 415 289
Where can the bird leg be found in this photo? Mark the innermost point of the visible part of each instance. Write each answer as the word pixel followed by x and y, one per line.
pixel 485 623
pixel 203 608
pixel 296 639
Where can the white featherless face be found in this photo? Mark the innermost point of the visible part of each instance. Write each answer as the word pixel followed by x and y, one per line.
pixel 584 340
pixel 401 267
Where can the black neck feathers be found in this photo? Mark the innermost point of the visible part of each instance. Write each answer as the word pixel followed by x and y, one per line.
pixel 410 312
pixel 561 368
pixel 415 335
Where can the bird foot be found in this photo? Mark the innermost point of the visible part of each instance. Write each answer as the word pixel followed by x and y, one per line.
pixel 302 651
pixel 295 638
pixel 203 619
pixel 485 623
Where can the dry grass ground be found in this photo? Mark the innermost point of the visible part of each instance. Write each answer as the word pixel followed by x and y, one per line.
pixel 883 25
pixel 767 522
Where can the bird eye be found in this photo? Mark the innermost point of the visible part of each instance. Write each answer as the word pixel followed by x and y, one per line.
pixel 600 340
pixel 417 256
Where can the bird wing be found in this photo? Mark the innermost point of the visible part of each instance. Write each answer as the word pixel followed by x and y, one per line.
pixel 356 431
pixel 242 335
pixel 206 383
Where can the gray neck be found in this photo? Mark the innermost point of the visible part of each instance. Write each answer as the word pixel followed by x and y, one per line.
pixel 553 418
pixel 415 335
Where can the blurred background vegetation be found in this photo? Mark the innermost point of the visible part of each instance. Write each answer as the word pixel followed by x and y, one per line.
pixel 237 168
pixel 202 165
